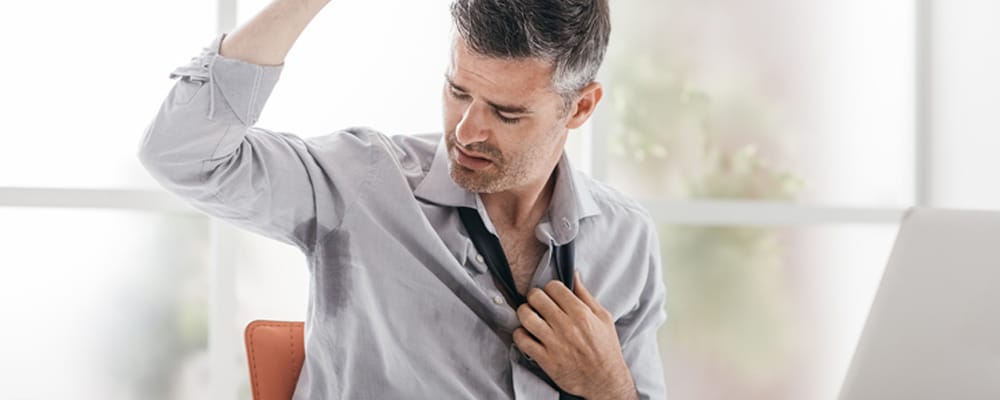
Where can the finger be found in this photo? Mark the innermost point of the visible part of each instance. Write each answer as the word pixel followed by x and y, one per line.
pixel 528 345
pixel 546 307
pixel 584 294
pixel 567 301
pixel 534 323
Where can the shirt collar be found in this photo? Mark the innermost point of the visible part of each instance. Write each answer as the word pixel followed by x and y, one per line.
pixel 572 201
pixel 438 187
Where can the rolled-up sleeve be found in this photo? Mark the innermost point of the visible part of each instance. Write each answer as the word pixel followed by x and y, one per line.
pixel 203 147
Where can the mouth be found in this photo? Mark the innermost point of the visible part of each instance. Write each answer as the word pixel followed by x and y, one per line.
pixel 470 161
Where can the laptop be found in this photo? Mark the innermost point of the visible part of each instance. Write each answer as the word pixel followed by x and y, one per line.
pixel 934 329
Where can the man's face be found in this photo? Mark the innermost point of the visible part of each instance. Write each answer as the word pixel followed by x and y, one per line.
pixel 505 126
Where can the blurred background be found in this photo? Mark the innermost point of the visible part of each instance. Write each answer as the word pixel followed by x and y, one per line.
pixel 776 142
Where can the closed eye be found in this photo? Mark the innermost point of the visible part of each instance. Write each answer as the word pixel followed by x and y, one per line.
pixel 457 94
pixel 506 120
pixel 461 95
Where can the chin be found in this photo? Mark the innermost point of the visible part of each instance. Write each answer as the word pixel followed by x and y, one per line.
pixel 469 180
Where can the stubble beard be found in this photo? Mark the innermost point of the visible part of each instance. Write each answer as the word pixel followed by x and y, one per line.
pixel 504 174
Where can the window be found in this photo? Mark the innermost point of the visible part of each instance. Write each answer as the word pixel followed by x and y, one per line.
pixel 764 100
pixel 112 304
pixel 84 81
pixel 771 101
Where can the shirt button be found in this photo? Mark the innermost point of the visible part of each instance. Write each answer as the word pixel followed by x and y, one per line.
pixel 479 257
pixel 498 300
pixel 566 224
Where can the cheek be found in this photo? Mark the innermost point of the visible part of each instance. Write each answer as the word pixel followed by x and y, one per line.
pixel 546 143
pixel 525 151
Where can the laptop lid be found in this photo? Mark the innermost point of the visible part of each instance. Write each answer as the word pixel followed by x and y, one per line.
pixel 934 328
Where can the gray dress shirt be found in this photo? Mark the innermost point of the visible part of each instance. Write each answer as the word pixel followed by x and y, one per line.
pixel 400 303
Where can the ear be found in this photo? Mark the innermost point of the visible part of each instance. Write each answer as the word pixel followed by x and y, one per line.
pixel 585 105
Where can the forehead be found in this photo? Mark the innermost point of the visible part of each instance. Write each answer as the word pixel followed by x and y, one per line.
pixel 500 76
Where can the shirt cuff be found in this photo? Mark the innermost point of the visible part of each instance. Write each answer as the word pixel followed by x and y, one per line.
pixel 236 87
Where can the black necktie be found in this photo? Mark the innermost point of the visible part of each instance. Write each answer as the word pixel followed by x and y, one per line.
pixel 492 251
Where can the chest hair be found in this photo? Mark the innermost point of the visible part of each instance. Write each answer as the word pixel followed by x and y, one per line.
pixel 523 252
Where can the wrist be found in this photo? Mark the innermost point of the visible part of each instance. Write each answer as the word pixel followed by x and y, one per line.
pixel 624 392
pixel 622 387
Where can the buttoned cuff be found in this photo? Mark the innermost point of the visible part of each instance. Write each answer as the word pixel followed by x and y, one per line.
pixel 236 87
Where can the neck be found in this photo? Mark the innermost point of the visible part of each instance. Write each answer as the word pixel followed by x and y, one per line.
pixel 520 207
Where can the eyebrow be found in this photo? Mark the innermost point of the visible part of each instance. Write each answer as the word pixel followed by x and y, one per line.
pixel 505 108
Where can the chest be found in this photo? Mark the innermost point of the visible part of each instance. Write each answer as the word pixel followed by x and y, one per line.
pixel 523 252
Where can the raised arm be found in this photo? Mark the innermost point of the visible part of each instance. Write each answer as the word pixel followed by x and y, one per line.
pixel 203 145
pixel 268 36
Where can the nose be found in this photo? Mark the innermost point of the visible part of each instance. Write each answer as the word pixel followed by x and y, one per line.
pixel 470 128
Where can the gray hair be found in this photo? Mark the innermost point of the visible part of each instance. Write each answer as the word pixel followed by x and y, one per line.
pixel 571 34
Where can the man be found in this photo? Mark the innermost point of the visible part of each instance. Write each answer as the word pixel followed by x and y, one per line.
pixel 402 302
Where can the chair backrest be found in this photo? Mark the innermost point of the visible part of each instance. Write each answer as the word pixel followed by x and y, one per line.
pixel 275 352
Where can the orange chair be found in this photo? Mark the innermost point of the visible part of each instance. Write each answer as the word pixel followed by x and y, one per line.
pixel 274 354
